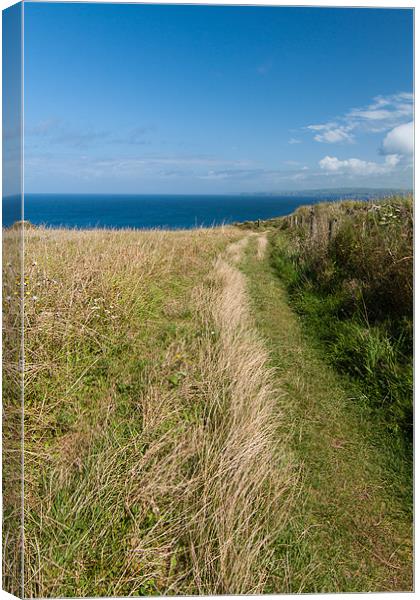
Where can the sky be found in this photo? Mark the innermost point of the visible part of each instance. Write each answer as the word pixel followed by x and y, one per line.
pixel 216 99
pixel 12 102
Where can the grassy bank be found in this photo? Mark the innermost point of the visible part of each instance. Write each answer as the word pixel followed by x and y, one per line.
pixel 348 268
pixel 350 525
pixel 184 434
pixel 151 461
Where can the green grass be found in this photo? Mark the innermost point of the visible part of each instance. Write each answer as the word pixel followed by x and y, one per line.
pixel 163 457
pixel 350 525
pixel 353 286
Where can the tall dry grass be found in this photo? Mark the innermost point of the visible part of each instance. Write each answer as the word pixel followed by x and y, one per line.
pixel 151 460
pixel 244 477
pixel 12 412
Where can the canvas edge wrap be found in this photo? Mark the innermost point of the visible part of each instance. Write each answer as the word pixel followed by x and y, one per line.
pixel 13 296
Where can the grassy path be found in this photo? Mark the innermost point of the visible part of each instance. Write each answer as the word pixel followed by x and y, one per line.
pixel 350 526
pixel 182 436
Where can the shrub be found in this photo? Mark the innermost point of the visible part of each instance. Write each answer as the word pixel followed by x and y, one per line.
pixel 349 269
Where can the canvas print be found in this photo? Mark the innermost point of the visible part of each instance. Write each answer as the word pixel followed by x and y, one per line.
pixel 207 299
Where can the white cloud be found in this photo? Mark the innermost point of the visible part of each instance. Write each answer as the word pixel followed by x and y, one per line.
pixel 392 160
pixel 385 108
pixel 330 133
pixel 294 141
pixel 399 140
pixel 382 114
pixel 371 115
pixel 139 168
pixel 356 166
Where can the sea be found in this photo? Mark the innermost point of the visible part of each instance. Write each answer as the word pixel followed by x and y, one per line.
pixel 115 211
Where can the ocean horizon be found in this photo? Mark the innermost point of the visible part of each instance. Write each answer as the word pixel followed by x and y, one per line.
pixel 142 211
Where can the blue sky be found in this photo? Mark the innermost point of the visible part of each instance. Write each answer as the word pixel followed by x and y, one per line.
pixel 207 99
pixel 12 102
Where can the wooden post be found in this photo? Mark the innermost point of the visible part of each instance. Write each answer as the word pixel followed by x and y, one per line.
pixel 312 224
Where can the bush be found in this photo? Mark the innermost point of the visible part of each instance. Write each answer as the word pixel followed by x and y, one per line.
pixel 349 270
pixel 377 250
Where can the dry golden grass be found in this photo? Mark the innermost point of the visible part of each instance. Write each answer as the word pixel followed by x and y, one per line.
pixel 161 449
pixel 151 461
pixel 262 242
pixel 244 478
pixel 11 412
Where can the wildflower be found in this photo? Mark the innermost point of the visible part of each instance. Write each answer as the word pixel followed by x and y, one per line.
pixel 34 298
pixel 8 298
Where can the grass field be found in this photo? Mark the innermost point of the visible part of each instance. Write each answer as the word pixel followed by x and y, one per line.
pixel 149 417
pixel 184 434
